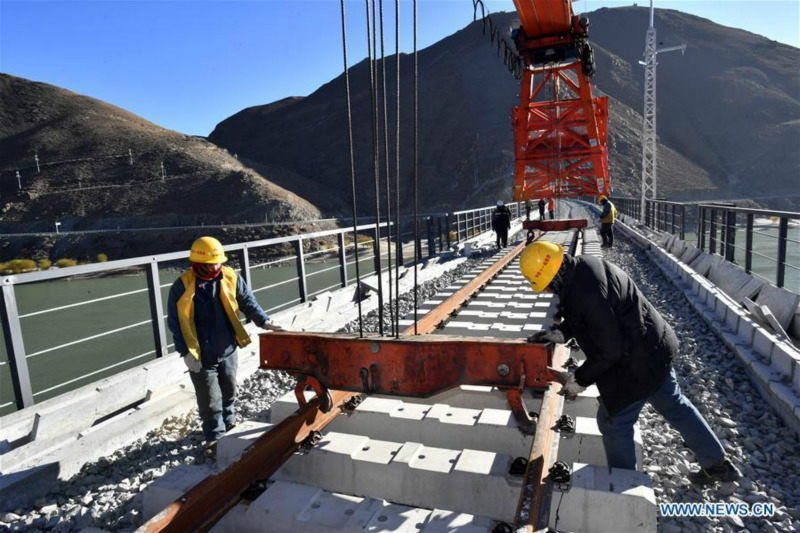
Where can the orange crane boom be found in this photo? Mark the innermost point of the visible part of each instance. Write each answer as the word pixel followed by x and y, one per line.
pixel 560 128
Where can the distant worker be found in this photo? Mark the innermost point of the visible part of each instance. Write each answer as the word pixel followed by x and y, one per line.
pixel 203 315
pixel 501 223
pixel 551 206
pixel 607 218
pixel 541 208
pixel 629 351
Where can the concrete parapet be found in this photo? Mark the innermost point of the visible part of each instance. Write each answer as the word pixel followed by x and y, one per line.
pixel 603 500
pixel 781 302
pixel 30 472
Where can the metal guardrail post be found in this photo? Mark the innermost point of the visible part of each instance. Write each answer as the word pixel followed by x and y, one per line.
pixel 683 221
pixel 431 239
pixel 730 237
pixel 447 230
pixel 417 240
pixel 376 249
pixel 15 348
pixel 783 234
pixel 439 232
pixel 673 223
pixel 246 267
pixel 342 259
pixel 712 232
pixel 301 267
pixel 156 309
pixel 748 244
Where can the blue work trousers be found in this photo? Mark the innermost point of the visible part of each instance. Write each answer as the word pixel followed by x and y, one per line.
pixel 669 402
pixel 215 388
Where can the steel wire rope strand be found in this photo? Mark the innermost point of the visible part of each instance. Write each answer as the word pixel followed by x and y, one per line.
pixel 352 166
pixel 386 167
pixel 371 55
pixel 398 234
pixel 416 175
pixel 511 58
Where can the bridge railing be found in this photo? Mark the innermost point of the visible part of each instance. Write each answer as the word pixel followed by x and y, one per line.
pixel 766 243
pixel 64 328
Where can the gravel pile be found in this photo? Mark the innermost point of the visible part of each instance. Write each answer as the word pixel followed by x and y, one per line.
pixel 767 452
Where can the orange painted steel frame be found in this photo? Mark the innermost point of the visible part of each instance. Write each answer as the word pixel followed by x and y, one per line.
pixel 416 366
pixel 560 142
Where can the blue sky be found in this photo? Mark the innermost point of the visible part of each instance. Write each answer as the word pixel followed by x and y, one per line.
pixel 188 64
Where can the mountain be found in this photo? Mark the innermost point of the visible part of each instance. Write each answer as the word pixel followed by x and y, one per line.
pixel 727 113
pixel 730 105
pixel 87 172
pixel 88 179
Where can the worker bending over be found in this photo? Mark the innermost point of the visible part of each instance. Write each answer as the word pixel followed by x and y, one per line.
pixel 501 223
pixel 607 218
pixel 203 315
pixel 629 352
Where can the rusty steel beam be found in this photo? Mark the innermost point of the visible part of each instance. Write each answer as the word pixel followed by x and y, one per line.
pixel 442 312
pixel 416 365
pixel 206 503
pixel 556 225
pixel 533 510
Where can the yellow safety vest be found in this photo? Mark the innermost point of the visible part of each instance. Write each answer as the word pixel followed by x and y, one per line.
pixel 611 216
pixel 228 295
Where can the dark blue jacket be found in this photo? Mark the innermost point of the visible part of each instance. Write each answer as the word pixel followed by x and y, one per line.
pixel 214 331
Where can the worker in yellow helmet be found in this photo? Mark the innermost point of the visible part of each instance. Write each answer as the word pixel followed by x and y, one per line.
pixel 607 218
pixel 629 350
pixel 203 315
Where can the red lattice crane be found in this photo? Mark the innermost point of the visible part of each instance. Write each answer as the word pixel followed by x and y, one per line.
pixel 560 129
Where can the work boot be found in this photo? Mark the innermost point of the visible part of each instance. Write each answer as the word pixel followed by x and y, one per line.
pixel 723 471
pixel 210 448
pixel 229 427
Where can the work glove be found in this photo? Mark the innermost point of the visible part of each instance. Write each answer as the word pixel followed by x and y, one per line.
pixel 571 389
pixel 192 364
pixel 547 335
pixel 269 326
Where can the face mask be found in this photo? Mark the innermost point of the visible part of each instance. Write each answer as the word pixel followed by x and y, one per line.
pixel 206 271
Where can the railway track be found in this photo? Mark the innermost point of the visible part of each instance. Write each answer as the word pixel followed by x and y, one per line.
pixel 460 460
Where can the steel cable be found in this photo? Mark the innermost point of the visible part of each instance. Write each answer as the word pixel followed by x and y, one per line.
pixel 386 167
pixel 416 173
pixel 511 58
pixel 352 169
pixel 398 234
pixel 371 54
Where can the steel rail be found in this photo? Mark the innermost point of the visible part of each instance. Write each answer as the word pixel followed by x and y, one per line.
pixel 206 503
pixel 532 512
pixel 430 321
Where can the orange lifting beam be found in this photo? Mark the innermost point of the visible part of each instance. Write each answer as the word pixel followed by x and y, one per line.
pixel 416 366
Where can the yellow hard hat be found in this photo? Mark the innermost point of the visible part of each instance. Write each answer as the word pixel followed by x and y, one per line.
pixel 207 250
pixel 601 199
pixel 539 263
